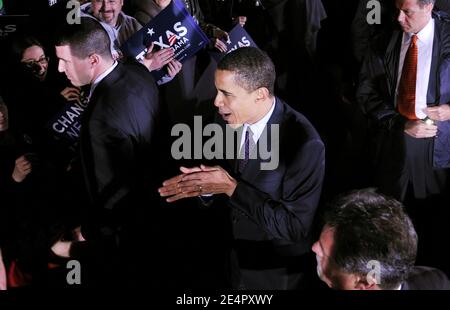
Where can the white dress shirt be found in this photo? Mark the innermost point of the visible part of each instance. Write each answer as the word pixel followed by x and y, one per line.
pixel 258 127
pixel 425 48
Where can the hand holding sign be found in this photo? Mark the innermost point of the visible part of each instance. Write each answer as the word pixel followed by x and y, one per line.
pixel 236 38
pixel 172 29
pixel 158 59
pixel 174 67
pixel 241 20
pixel 220 35
pixel 71 93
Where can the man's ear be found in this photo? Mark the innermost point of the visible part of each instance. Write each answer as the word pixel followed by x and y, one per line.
pixel 429 7
pixel 262 94
pixel 365 283
pixel 94 59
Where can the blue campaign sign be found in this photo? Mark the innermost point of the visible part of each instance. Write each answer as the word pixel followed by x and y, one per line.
pixel 238 38
pixel 10 25
pixel 53 2
pixel 66 124
pixel 172 28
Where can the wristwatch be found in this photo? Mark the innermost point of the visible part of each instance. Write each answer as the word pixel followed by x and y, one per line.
pixel 428 121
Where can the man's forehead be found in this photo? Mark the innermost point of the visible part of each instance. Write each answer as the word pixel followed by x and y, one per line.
pixel 63 50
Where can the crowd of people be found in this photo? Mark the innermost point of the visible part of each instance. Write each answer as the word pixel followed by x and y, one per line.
pixel 322 154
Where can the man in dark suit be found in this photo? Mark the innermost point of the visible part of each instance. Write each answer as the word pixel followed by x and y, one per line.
pixel 405 92
pixel 368 242
pixel 273 198
pixel 117 148
pixel 404 89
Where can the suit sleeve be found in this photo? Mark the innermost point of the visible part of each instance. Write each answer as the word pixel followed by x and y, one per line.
pixel 290 217
pixel 372 94
pixel 113 164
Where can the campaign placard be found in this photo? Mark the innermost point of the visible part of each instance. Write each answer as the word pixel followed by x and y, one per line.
pixel 11 25
pixel 238 38
pixel 172 28
pixel 66 124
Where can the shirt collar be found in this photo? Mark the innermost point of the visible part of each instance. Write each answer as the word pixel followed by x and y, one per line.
pixel 258 127
pixel 101 77
pixel 425 35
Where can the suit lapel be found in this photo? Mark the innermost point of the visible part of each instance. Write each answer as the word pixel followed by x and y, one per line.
pixel 433 93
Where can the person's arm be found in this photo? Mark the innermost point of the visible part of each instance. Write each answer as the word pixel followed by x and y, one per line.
pixel 289 218
pixel 375 103
pixel 372 94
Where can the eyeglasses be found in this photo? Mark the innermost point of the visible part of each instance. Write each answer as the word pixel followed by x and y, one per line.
pixel 32 63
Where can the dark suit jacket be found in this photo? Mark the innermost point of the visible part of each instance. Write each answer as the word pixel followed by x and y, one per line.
pixel 272 210
pixel 118 148
pixel 376 97
pixel 118 129
pixel 426 278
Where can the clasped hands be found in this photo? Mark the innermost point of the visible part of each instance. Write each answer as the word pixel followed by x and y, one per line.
pixel 420 129
pixel 198 181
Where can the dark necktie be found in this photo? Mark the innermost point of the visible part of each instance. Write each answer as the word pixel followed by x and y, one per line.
pixel 247 147
pixel 406 99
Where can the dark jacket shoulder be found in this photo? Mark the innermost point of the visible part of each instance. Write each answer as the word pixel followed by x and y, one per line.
pixel 426 278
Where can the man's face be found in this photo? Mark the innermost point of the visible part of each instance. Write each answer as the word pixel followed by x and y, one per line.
pixel 236 105
pixel 4 125
pixel 34 59
pixel 411 16
pixel 327 269
pixel 162 3
pixel 79 71
pixel 107 10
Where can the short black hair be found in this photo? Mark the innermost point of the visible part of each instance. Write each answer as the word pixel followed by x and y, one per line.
pixel 369 226
pixel 21 43
pixel 86 38
pixel 252 67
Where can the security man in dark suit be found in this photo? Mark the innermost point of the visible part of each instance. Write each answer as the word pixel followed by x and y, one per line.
pixel 117 150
